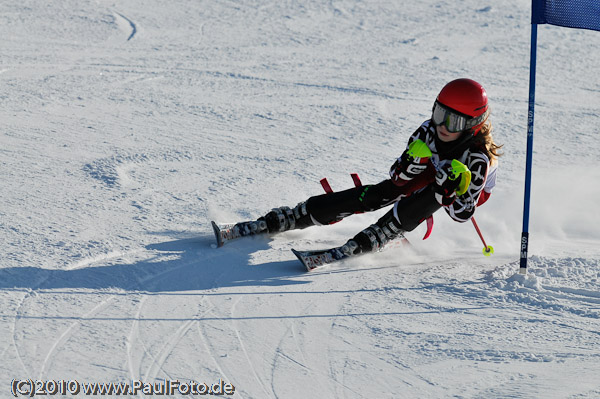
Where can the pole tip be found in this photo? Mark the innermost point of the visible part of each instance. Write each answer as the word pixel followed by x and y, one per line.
pixel 488 251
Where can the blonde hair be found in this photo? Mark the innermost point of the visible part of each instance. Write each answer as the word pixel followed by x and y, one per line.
pixel 485 141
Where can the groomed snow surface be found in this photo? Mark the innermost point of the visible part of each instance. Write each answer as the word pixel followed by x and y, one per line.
pixel 128 125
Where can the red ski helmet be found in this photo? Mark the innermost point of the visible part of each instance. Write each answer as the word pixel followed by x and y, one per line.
pixel 461 105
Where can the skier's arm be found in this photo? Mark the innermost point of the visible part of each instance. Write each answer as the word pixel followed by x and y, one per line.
pixel 463 208
pixel 412 162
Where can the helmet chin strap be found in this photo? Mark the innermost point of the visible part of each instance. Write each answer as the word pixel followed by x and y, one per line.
pixel 458 145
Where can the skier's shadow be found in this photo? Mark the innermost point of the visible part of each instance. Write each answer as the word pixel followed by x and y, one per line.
pixel 188 264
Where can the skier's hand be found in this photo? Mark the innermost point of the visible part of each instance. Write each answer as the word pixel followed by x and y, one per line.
pixel 445 186
pixel 412 163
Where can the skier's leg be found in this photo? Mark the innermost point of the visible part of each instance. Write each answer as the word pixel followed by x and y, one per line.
pixel 324 209
pixel 278 220
pixel 318 210
pixel 331 208
pixel 406 215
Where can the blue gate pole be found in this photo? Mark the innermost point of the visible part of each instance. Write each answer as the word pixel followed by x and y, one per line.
pixel 529 161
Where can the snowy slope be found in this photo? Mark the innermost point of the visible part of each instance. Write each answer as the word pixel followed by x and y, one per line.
pixel 128 125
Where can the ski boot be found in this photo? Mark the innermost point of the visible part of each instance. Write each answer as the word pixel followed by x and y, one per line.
pixel 277 221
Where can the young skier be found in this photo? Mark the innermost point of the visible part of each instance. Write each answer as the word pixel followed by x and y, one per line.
pixel 449 162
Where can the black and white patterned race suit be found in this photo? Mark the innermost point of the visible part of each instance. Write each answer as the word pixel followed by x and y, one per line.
pixel 409 190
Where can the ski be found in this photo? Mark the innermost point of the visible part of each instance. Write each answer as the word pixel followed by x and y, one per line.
pixel 225 233
pixel 315 259
pixel 319 258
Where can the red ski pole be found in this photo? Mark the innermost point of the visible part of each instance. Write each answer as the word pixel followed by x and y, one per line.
pixel 488 249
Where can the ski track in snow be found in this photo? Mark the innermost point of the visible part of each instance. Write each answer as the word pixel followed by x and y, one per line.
pixel 156 365
pixel 163 353
pixel 64 336
pixel 211 352
pixel 130 23
pixel 279 352
pixel 14 333
pixel 134 337
pixel 251 365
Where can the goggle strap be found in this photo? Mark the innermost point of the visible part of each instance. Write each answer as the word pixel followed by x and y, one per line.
pixel 471 123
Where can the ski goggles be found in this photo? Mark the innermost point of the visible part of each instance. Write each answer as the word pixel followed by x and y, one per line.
pixel 454 121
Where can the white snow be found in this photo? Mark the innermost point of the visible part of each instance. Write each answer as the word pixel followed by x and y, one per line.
pixel 128 125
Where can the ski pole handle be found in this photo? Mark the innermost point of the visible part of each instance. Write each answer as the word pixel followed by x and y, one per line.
pixel 460 170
